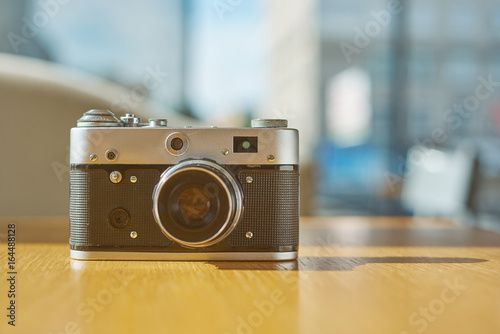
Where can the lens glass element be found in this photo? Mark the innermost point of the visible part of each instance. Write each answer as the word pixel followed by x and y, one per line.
pixel 194 204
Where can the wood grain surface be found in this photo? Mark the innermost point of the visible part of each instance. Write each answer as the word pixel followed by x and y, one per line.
pixel 354 275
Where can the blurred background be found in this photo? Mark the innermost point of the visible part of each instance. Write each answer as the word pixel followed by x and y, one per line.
pixel 397 102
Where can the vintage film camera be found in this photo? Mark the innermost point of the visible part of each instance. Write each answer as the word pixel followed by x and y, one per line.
pixel 147 191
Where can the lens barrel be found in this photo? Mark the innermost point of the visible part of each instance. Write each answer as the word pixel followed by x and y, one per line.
pixel 197 203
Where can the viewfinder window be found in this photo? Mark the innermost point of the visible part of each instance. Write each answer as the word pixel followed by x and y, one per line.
pixel 245 145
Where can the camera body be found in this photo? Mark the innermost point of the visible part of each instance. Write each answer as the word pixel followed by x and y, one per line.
pixel 146 191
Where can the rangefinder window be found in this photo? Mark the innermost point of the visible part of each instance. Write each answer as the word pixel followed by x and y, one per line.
pixel 245 145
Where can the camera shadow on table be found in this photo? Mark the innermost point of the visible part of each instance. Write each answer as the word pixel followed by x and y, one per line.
pixel 338 263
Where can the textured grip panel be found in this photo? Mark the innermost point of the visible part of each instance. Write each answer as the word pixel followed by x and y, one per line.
pixel 93 196
pixel 271 209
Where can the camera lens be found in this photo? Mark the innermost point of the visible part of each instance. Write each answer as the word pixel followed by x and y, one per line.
pixel 197 203
pixel 194 204
pixel 176 144
pixel 188 208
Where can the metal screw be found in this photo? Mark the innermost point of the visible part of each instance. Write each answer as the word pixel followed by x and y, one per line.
pixel 93 157
pixel 115 177
pixel 225 152
pixel 270 158
pixel 133 234
pixel 249 179
pixel 249 235
pixel 133 179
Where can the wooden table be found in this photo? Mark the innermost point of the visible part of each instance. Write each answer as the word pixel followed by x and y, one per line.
pixel 354 275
